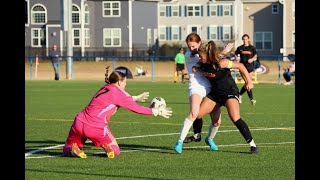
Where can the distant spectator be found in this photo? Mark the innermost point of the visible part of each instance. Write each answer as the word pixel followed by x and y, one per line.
pixel 55 59
pixel 180 62
pixel 140 71
pixel 289 72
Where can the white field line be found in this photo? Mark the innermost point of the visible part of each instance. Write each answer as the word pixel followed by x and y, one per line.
pixel 168 134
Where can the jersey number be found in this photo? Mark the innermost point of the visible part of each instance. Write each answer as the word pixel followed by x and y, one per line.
pixel 105 90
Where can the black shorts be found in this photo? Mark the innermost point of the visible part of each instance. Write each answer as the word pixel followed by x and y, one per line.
pixel 222 98
pixel 249 67
pixel 180 67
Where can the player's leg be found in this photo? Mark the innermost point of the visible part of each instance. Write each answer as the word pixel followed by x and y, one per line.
pixel 215 116
pixel 234 113
pixel 75 141
pixel 195 100
pixel 250 93
pixel 197 128
pixel 107 141
pixel 182 75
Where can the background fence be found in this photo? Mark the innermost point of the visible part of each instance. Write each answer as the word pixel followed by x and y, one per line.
pixel 159 68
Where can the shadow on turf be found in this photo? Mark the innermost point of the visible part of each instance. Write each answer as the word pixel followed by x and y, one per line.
pixel 123 147
pixel 133 147
pixel 165 150
pixel 93 174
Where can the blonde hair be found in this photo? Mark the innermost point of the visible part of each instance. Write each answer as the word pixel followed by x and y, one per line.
pixel 210 49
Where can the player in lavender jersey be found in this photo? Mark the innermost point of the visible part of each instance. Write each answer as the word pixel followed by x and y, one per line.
pixel 92 122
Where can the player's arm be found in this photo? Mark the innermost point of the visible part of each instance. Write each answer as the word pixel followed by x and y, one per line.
pixel 225 63
pixel 141 98
pixel 226 50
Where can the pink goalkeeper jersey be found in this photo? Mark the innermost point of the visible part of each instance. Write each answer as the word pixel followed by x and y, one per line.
pixel 105 103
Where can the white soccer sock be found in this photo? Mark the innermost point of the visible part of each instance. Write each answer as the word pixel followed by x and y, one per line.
pixel 185 129
pixel 197 135
pixel 212 130
pixel 252 143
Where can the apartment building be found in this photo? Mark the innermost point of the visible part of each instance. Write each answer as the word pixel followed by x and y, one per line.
pixel 131 27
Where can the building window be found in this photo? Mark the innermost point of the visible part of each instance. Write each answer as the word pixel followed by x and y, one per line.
pixel 213 33
pixel 75 14
pixel 275 9
pixel 175 10
pixel 38 14
pixel 86 14
pixel 213 10
pixel 226 33
pixel 263 40
pixel 194 28
pixel 162 11
pixel 111 8
pixel 175 33
pixel 76 36
pixel 162 33
pixel 294 40
pixel 227 10
pixel 38 37
pixel 86 37
pixel 111 37
pixel 194 10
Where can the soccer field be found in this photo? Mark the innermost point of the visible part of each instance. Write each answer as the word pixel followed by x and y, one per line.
pixel 147 142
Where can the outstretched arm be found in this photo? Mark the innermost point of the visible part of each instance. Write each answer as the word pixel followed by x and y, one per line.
pixel 225 63
pixel 226 49
pixel 142 97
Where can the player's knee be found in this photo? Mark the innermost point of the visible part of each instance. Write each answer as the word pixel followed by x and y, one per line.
pixel 66 150
pixel 193 114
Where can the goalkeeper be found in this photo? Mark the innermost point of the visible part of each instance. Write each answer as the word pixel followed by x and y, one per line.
pixel 92 122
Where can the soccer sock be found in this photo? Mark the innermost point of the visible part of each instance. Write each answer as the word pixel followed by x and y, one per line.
pixel 244 130
pixel 252 143
pixel 212 130
pixel 197 135
pixel 243 89
pixel 182 77
pixel 185 129
pixel 250 94
pixel 197 126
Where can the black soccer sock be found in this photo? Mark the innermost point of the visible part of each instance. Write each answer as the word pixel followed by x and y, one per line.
pixel 244 130
pixel 197 125
pixel 182 77
pixel 250 94
pixel 243 89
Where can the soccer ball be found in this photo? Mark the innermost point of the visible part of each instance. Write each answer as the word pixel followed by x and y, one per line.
pixel 157 102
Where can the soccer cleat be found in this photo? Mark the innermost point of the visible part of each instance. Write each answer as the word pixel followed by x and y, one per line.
pixel 253 102
pixel 109 151
pixel 178 147
pixel 240 99
pixel 211 143
pixel 254 150
pixel 76 152
pixel 191 139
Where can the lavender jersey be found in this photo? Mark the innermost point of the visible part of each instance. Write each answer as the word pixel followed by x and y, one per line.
pixel 198 83
pixel 105 103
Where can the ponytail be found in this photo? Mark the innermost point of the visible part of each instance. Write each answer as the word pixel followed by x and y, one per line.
pixel 106 79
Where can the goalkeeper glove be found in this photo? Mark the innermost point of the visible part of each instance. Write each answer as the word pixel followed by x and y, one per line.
pixel 142 97
pixel 163 111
